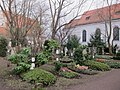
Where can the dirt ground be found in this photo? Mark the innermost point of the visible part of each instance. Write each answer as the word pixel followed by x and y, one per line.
pixel 8 81
pixel 103 81
pixel 107 81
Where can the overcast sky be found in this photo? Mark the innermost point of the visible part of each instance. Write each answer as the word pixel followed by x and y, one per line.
pixel 97 4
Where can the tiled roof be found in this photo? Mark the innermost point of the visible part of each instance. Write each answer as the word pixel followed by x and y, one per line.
pixel 97 15
pixel 3 32
pixel 21 22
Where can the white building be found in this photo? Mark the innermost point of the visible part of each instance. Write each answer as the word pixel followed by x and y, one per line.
pixel 98 19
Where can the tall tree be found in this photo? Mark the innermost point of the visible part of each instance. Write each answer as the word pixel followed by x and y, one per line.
pixel 106 15
pixel 19 18
pixel 60 10
pixel 96 41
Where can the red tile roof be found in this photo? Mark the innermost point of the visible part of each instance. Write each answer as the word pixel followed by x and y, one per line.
pixel 21 22
pixel 3 32
pixel 97 15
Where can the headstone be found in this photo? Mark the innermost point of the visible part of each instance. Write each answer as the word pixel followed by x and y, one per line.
pixel 71 54
pixel 66 50
pixel 32 66
pixel 33 63
pixel 84 52
pixel 33 59
pixel 10 44
pixel 57 59
pixel 57 52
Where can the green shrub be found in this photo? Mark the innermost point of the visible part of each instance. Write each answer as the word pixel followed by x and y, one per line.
pixel 26 51
pixel 51 44
pixel 39 76
pixel 73 42
pixel 88 71
pixel 22 67
pixel 97 65
pixel 41 59
pixel 113 64
pixel 58 65
pixel 78 55
pixel 107 57
pixel 3 46
pixel 117 56
pixel 68 74
pixel 17 58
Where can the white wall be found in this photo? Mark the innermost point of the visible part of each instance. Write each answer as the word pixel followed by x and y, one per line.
pixel 91 28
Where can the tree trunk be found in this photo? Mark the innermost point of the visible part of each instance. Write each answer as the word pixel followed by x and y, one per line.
pixel 53 35
pixel 110 48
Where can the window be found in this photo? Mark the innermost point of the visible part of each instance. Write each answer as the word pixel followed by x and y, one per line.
pixel 116 33
pixel 98 32
pixel 87 18
pixel 117 12
pixel 84 36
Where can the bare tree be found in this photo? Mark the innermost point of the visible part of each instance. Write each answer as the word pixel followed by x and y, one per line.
pixel 105 15
pixel 19 18
pixel 60 10
pixel 40 28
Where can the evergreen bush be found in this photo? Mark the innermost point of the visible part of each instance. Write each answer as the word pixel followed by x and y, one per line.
pixel 3 46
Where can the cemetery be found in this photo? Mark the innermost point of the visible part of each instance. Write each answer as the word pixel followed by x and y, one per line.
pixel 59 45
pixel 44 69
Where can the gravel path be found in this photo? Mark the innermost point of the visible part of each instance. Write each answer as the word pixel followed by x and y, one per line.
pixel 107 81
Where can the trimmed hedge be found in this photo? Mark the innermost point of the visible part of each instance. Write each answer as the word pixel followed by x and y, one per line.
pixel 69 74
pixel 97 65
pixel 87 72
pixel 39 76
pixel 115 65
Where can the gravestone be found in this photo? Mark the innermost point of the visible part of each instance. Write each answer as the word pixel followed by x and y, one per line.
pixel 84 53
pixel 66 50
pixel 57 54
pixel 33 63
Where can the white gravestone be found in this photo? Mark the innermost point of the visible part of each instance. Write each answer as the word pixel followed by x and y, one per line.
pixel 84 52
pixel 57 53
pixel 66 50
pixel 33 63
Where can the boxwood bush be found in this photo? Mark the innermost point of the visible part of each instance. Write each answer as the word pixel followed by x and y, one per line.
pixel 97 65
pixel 39 76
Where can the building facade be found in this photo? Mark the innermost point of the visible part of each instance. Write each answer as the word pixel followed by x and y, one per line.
pixel 106 20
